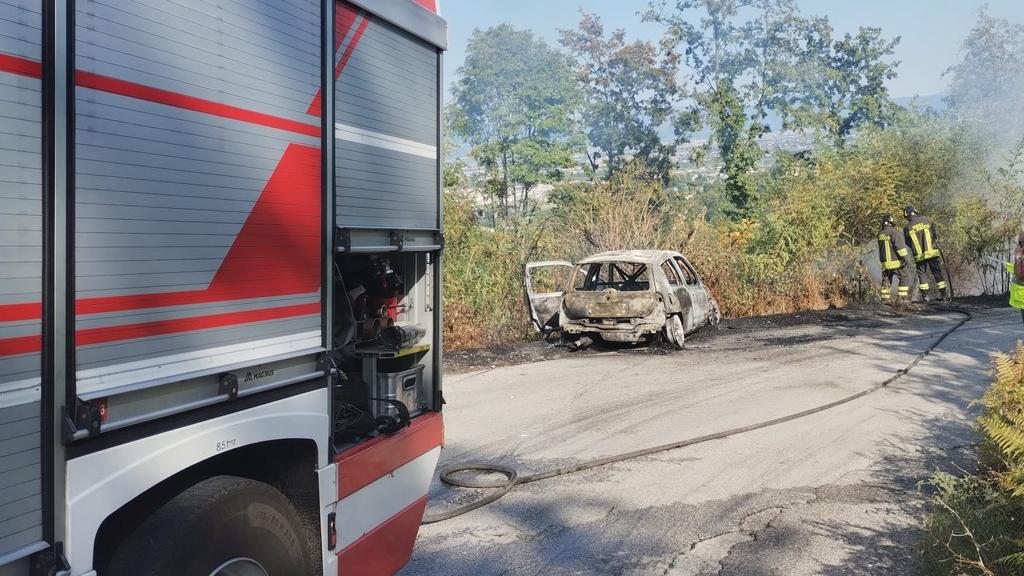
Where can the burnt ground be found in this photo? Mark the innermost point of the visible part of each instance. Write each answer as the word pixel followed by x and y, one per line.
pixel 860 316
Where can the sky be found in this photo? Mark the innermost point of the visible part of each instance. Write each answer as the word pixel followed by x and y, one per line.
pixel 931 31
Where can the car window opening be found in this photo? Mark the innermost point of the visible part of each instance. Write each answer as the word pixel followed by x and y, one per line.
pixel 621 276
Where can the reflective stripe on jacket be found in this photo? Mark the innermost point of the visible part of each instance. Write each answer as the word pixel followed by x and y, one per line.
pixel 920 234
pixel 892 249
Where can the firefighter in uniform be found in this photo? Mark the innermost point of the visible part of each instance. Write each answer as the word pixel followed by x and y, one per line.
pixel 921 237
pixel 892 256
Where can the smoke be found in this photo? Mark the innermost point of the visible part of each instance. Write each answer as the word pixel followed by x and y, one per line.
pixel 987 87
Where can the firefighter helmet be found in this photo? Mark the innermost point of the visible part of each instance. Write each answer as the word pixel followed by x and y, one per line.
pixel 887 219
pixel 909 211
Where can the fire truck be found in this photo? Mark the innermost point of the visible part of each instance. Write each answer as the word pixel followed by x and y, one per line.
pixel 220 276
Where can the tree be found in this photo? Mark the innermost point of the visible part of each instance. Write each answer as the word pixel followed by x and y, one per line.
pixel 514 102
pixel 738 52
pixel 838 85
pixel 629 91
pixel 987 86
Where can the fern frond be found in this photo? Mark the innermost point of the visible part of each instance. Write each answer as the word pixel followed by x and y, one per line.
pixel 1006 435
pixel 1015 560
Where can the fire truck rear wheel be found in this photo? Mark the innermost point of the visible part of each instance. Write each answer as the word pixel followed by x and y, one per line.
pixel 223 526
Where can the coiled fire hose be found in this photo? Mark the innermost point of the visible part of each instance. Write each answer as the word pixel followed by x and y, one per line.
pixel 449 474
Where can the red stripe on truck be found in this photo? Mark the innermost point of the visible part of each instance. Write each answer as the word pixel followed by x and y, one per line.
pixel 20 66
pixel 351 48
pixel 344 18
pixel 18 312
pixel 160 96
pixel 376 458
pixel 164 327
pixel 20 345
pixel 428 4
pixel 34 69
pixel 385 549
pixel 277 253
pixel 107 334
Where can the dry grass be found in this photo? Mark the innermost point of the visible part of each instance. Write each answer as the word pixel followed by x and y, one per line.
pixel 746 271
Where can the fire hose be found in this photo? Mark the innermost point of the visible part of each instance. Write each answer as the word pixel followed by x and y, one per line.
pixel 449 474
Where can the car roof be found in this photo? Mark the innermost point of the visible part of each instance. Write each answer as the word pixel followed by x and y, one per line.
pixel 638 256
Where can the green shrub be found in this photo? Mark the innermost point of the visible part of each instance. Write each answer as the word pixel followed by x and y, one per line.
pixel 976 529
pixel 1003 423
pixel 978 524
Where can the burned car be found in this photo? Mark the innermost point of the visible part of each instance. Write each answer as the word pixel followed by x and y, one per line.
pixel 625 296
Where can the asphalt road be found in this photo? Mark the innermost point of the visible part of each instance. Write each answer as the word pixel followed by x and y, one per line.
pixel 834 493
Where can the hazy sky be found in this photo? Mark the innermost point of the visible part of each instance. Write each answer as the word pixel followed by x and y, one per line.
pixel 931 30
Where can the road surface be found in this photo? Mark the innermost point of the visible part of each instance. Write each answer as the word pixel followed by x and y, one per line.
pixel 833 493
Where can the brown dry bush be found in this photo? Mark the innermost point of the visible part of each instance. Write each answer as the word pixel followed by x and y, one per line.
pixel 483 295
pixel 800 248
pixel 752 267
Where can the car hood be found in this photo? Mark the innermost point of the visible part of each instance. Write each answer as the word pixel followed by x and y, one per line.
pixel 609 304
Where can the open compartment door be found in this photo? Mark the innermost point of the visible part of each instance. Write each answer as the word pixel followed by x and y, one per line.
pixel 545 284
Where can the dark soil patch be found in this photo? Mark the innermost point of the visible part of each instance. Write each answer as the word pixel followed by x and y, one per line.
pixel 483 358
pixel 796 340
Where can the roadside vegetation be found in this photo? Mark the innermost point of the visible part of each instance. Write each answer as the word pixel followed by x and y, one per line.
pixel 978 525
pixel 752 138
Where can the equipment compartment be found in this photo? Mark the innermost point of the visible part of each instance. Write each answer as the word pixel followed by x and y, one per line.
pixel 384 339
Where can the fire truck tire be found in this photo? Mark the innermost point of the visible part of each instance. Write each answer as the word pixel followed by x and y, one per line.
pixel 223 526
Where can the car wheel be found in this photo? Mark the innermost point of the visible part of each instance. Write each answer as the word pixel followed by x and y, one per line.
pixel 674 332
pixel 715 317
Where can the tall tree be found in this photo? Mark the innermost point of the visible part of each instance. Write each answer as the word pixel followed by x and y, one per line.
pixel 987 85
pixel 629 92
pixel 837 85
pixel 738 52
pixel 514 102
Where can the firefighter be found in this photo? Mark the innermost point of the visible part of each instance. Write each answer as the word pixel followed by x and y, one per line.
pixel 921 237
pixel 892 257
pixel 1016 271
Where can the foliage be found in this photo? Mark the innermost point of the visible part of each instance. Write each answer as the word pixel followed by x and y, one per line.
pixel 987 85
pixel 483 277
pixel 630 210
pixel 977 232
pixel 1007 183
pixel 737 66
pixel 753 57
pixel 837 85
pixel 514 101
pixel 737 143
pixel 977 527
pixel 629 94
pixel 1003 421
pixel 915 162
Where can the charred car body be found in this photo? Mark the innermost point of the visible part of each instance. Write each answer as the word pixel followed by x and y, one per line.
pixel 623 296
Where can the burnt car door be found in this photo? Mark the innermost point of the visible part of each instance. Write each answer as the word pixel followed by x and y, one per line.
pixel 700 310
pixel 678 298
pixel 545 284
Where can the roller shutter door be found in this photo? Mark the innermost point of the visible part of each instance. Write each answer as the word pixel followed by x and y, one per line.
pixel 386 114
pixel 197 185
pixel 20 273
